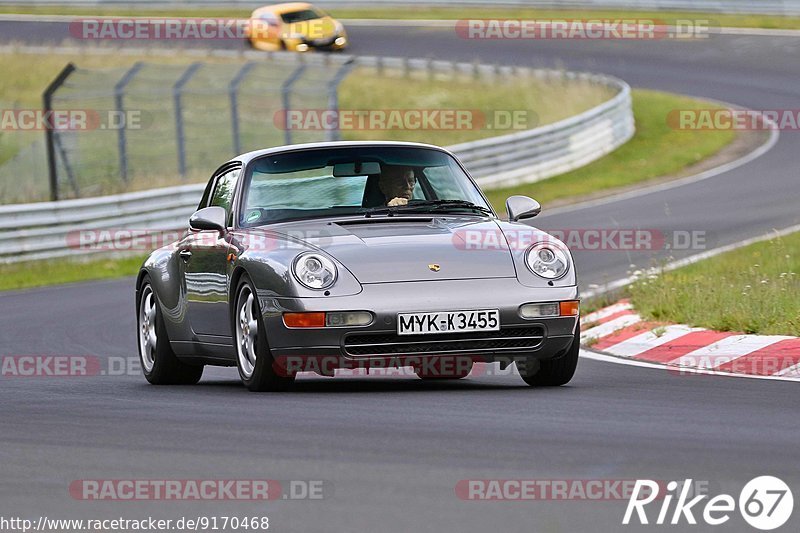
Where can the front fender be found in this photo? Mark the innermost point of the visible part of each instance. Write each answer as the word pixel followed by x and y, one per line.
pixel 267 258
pixel 165 276
pixel 520 238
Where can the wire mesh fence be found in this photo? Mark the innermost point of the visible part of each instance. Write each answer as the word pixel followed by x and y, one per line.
pixel 151 125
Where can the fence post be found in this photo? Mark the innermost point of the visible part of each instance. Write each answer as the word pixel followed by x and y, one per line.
pixel 119 92
pixel 286 89
pixel 176 97
pixel 233 90
pixel 47 103
pixel 333 96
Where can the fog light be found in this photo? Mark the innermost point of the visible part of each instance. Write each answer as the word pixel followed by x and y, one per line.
pixel 302 47
pixel 304 320
pixel 539 310
pixel 340 41
pixel 348 318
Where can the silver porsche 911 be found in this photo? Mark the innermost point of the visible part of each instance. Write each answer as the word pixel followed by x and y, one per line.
pixel 344 255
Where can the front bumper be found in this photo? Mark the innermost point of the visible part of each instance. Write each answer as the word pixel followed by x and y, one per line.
pixel 518 337
pixel 336 42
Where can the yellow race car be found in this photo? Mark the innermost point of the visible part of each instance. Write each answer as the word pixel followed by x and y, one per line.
pixel 295 26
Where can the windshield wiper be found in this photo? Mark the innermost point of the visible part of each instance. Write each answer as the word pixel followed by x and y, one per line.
pixel 431 205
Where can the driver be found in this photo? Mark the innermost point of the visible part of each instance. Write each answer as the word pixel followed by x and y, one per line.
pixel 397 184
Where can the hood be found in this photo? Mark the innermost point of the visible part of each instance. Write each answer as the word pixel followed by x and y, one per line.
pixel 388 249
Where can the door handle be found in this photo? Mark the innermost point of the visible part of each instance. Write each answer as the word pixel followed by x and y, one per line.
pixel 185 254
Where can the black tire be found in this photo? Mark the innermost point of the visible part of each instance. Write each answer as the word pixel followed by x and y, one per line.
pixel 160 365
pixel 263 374
pixel 557 371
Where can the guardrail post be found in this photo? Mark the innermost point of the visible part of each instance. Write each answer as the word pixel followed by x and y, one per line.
pixel 176 97
pixel 333 96
pixel 47 103
pixel 286 90
pixel 233 91
pixel 122 143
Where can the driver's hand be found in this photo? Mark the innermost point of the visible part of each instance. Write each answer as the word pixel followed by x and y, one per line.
pixel 397 201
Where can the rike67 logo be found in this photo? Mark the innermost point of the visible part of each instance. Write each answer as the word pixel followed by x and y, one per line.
pixel 765 502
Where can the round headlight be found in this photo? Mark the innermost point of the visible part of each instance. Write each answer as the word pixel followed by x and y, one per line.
pixel 314 271
pixel 547 261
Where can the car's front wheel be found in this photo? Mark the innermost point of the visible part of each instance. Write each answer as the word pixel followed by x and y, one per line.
pixel 257 367
pixel 159 363
pixel 556 371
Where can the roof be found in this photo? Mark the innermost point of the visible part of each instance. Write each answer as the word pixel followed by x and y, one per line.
pixel 249 156
pixel 286 8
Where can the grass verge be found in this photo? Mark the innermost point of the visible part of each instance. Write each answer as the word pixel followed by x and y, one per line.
pixel 423 12
pixel 29 274
pixel 750 290
pixel 655 150
pixel 152 150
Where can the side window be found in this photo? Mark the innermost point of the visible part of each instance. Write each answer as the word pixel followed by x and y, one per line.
pixel 222 195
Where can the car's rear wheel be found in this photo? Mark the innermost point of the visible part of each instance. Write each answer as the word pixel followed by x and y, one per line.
pixel 257 367
pixel 159 363
pixel 556 371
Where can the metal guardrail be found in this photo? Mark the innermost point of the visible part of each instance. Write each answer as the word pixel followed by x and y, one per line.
pixel 55 229
pixel 767 7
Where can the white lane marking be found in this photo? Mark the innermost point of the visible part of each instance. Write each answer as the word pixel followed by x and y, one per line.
pixel 790 372
pixel 774 135
pixel 726 350
pixel 605 312
pixel 610 327
pixel 588 354
pixel 648 340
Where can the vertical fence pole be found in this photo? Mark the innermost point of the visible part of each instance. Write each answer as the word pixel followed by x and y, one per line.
pixel 286 90
pixel 122 142
pixel 333 96
pixel 176 97
pixel 233 93
pixel 47 104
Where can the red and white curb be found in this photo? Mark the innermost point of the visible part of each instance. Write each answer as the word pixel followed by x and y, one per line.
pixel 617 330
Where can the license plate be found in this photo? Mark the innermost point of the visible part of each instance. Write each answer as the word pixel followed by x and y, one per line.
pixel 448 322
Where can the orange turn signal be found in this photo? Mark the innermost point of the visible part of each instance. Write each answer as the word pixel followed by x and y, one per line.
pixel 304 320
pixel 569 307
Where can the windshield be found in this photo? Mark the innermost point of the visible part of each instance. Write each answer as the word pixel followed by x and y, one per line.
pixel 300 16
pixel 363 180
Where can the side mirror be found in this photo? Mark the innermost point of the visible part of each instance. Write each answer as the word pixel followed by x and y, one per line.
pixel 209 218
pixel 520 207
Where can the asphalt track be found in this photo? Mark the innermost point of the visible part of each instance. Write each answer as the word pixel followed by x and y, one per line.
pixel 391 449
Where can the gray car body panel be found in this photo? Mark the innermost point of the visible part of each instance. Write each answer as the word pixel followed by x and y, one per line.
pixel 383 267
